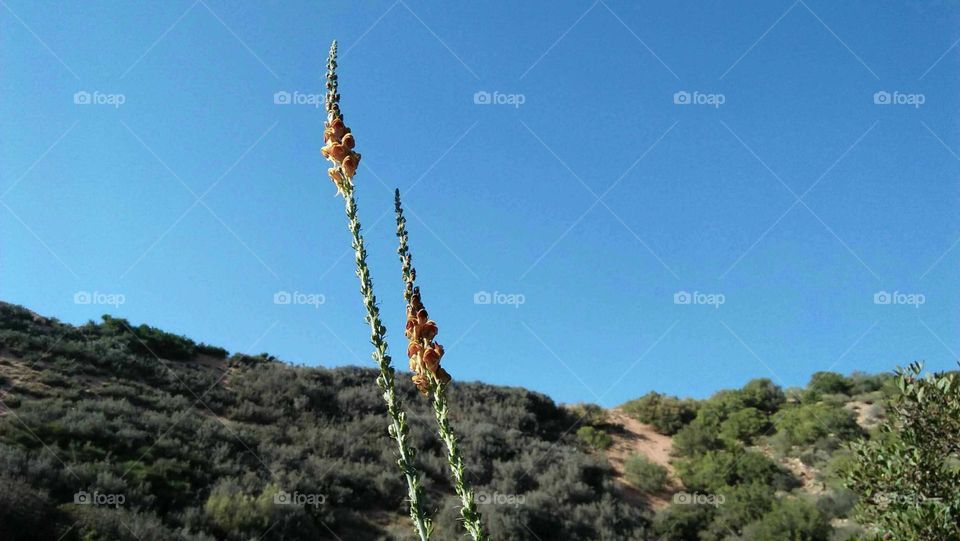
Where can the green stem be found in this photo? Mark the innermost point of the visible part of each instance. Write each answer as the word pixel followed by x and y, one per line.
pixel 468 508
pixel 385 381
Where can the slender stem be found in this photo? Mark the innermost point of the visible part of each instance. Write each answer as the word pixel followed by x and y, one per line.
pixel 468 507
pixel 385 381
pixel 438 390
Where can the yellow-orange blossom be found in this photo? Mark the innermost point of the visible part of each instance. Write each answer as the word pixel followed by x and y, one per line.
pixel 424 353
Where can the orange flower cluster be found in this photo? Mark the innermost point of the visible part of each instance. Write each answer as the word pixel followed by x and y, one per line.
pixel 424 353
pixel 339 143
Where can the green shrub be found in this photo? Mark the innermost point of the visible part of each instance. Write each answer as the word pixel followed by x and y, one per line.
pixel 713 471
pixel 791 519
pixel 648 476
pixel 588 414
pixel 593 438
pixel 808 423
pixel 213 351
pixel 744 425
pixel 667 414
pixel 763 395
pixel 822 383
pixel 907 476
pixel 695 438
pixel 681 522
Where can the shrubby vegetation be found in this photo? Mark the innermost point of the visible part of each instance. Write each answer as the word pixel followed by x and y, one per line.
pixel 909 476
pixel 648 476
pixel 667 414
pixel 244 447
pixel 207 451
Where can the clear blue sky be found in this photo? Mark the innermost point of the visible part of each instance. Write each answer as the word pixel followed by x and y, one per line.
pixel 797 198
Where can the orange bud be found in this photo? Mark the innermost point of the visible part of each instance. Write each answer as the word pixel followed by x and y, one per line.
pixel 337 152
pixel 350 164
pixel 348 141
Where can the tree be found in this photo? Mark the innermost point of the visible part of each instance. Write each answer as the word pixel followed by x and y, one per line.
pixel 907 477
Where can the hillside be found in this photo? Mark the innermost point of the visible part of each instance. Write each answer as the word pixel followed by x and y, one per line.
pixel 111 431
pixel 180 442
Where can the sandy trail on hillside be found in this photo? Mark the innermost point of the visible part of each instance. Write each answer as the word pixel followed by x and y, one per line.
pixel 639 438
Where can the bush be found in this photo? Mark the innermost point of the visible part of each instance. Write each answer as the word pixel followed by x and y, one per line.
pixel 213 351
pixel 648 476
pixel 716 470
pixel 694 439
pixel 588 414
pixel 681 522
pixel 593 439
pixel 763 395
pixel 791 519
pixel 667 414
pixel 744 425
pixel 907 476
pixel 808 423
pixel 822 383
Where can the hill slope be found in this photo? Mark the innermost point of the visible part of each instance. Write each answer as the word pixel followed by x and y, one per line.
pixel 110 431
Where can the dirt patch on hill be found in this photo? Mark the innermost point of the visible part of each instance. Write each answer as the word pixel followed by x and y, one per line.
pixel 639 438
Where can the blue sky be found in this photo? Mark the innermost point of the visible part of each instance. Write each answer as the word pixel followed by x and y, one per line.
pixel 778 194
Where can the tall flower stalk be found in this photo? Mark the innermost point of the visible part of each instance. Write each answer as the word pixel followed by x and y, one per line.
pixel 431 379
pixel 338 148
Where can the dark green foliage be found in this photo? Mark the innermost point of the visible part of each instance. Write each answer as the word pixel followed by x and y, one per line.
pixel 648 476
pixel 212 351
pixel 713 471
pixel 791 519
pixel 744 425
pixel 822 383
pixel 593 439
pixel 812 423
pixel 763 395
pixel 667 414
pixel 683 522
pixel 908 476
pixel 199 451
